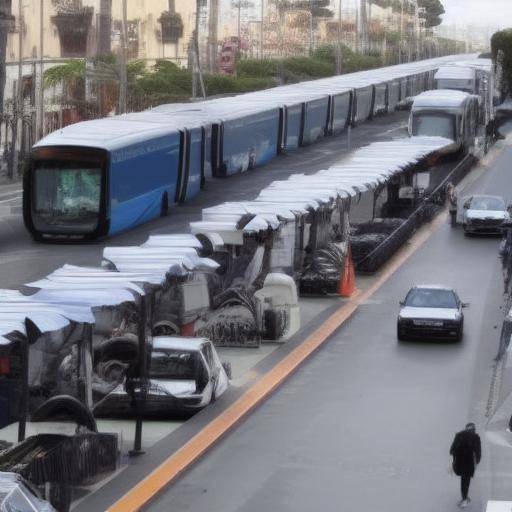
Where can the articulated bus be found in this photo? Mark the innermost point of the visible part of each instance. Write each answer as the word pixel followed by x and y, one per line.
pixel 98 178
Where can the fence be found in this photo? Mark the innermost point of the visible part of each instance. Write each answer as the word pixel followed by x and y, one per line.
pixel 429 207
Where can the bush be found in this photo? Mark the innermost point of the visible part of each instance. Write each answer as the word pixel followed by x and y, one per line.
pixel 257 68
pixel 224 84
pixel 306 67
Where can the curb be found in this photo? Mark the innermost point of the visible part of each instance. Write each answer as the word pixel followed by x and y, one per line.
pixel 142 493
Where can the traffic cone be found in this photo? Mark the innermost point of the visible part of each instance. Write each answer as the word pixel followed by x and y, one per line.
pixel 347 284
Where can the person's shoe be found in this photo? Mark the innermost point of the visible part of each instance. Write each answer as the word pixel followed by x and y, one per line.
pixel 463 503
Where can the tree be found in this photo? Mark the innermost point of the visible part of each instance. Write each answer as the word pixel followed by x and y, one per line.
pixel 433 11
pixel 317 8
pixel 72 76
pixel 501 47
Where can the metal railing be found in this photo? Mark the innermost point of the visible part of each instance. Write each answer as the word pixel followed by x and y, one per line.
pixel 428 208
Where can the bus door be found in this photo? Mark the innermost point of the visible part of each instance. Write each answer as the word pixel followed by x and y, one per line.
pixel 191 179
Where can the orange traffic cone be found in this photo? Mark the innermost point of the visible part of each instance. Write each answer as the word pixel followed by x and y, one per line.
pixel 347 284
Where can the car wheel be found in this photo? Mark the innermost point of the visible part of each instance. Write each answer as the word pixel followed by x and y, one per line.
pixel 400 335
pixel 460 334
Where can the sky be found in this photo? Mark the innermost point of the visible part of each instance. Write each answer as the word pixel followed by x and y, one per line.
pixel 497 13
pixel 494 13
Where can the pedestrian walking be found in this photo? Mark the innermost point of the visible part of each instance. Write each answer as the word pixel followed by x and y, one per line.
pixel 466 453
pixel 451 196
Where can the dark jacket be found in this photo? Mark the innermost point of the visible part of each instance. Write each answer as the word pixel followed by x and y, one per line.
pixel 466 452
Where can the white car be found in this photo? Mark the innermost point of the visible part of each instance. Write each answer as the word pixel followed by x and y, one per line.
pixel 431 311
pixel 484 214
pixel 185 375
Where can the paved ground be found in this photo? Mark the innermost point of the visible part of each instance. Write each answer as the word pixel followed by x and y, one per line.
pixel 367 423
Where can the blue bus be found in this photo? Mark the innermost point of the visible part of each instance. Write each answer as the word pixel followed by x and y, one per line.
pixel 98 178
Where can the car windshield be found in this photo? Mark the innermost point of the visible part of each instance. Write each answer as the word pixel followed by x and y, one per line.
pixel 434 125
pixel 431 298
pixel 66 197
pixel 487 203
pixel 170 364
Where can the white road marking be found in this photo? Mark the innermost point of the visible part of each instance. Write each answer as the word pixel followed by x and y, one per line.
pixel 17 198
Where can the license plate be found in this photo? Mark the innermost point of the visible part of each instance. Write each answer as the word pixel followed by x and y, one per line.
pixel 428 323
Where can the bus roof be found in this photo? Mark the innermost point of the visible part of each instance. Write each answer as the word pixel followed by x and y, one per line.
pixel 441 99
pixel 110 133
pixel 455 73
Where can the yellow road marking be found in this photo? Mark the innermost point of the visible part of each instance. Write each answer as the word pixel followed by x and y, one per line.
pixel 189 453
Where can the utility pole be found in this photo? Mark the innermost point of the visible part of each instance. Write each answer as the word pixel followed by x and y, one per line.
pixel 363 19
pixel 17 96
pixel 262 29
pixel 123 83
pixel 417 29
pixel 400 59
pixel 6 19
pixel 40 117
pixel 239 5
pixel 197 75
pixel 311 42
pixel 213 24
pixel 339 58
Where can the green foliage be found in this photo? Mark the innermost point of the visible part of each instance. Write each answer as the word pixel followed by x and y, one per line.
pixel 434 11
pixel 299 68
pixel 257 68
pixel 326 53
pixel 67 73
pixel 318 8
pixel 166 82
pixel 321 64
pixel 224 84
pixel 501 43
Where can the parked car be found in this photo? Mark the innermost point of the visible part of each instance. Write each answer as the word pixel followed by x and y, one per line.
pixel 185 375
pixel 18 495
pixel 484 214
pixel 431 311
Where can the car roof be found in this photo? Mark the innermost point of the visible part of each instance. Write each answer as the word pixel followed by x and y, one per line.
pixel 486 196
pixel 432 287
pixel 178 343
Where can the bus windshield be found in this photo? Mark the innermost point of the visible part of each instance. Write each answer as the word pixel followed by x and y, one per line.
pixel 434 125
pixel 66 198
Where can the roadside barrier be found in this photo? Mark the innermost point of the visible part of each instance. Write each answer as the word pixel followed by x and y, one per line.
pixel 429 207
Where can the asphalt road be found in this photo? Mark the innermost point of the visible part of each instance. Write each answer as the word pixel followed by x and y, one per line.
pixel 367 423
pixel 22 260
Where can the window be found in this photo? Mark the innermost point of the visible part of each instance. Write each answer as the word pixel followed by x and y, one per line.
pixel 431 298
pixel 487 203
pixel 65 196
pixel 434 125
pixel 169 364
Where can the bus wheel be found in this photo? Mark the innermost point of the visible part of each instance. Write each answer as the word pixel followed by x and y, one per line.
pixel 165 206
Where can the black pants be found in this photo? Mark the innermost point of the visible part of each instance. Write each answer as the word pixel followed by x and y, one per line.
pixel 464 485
